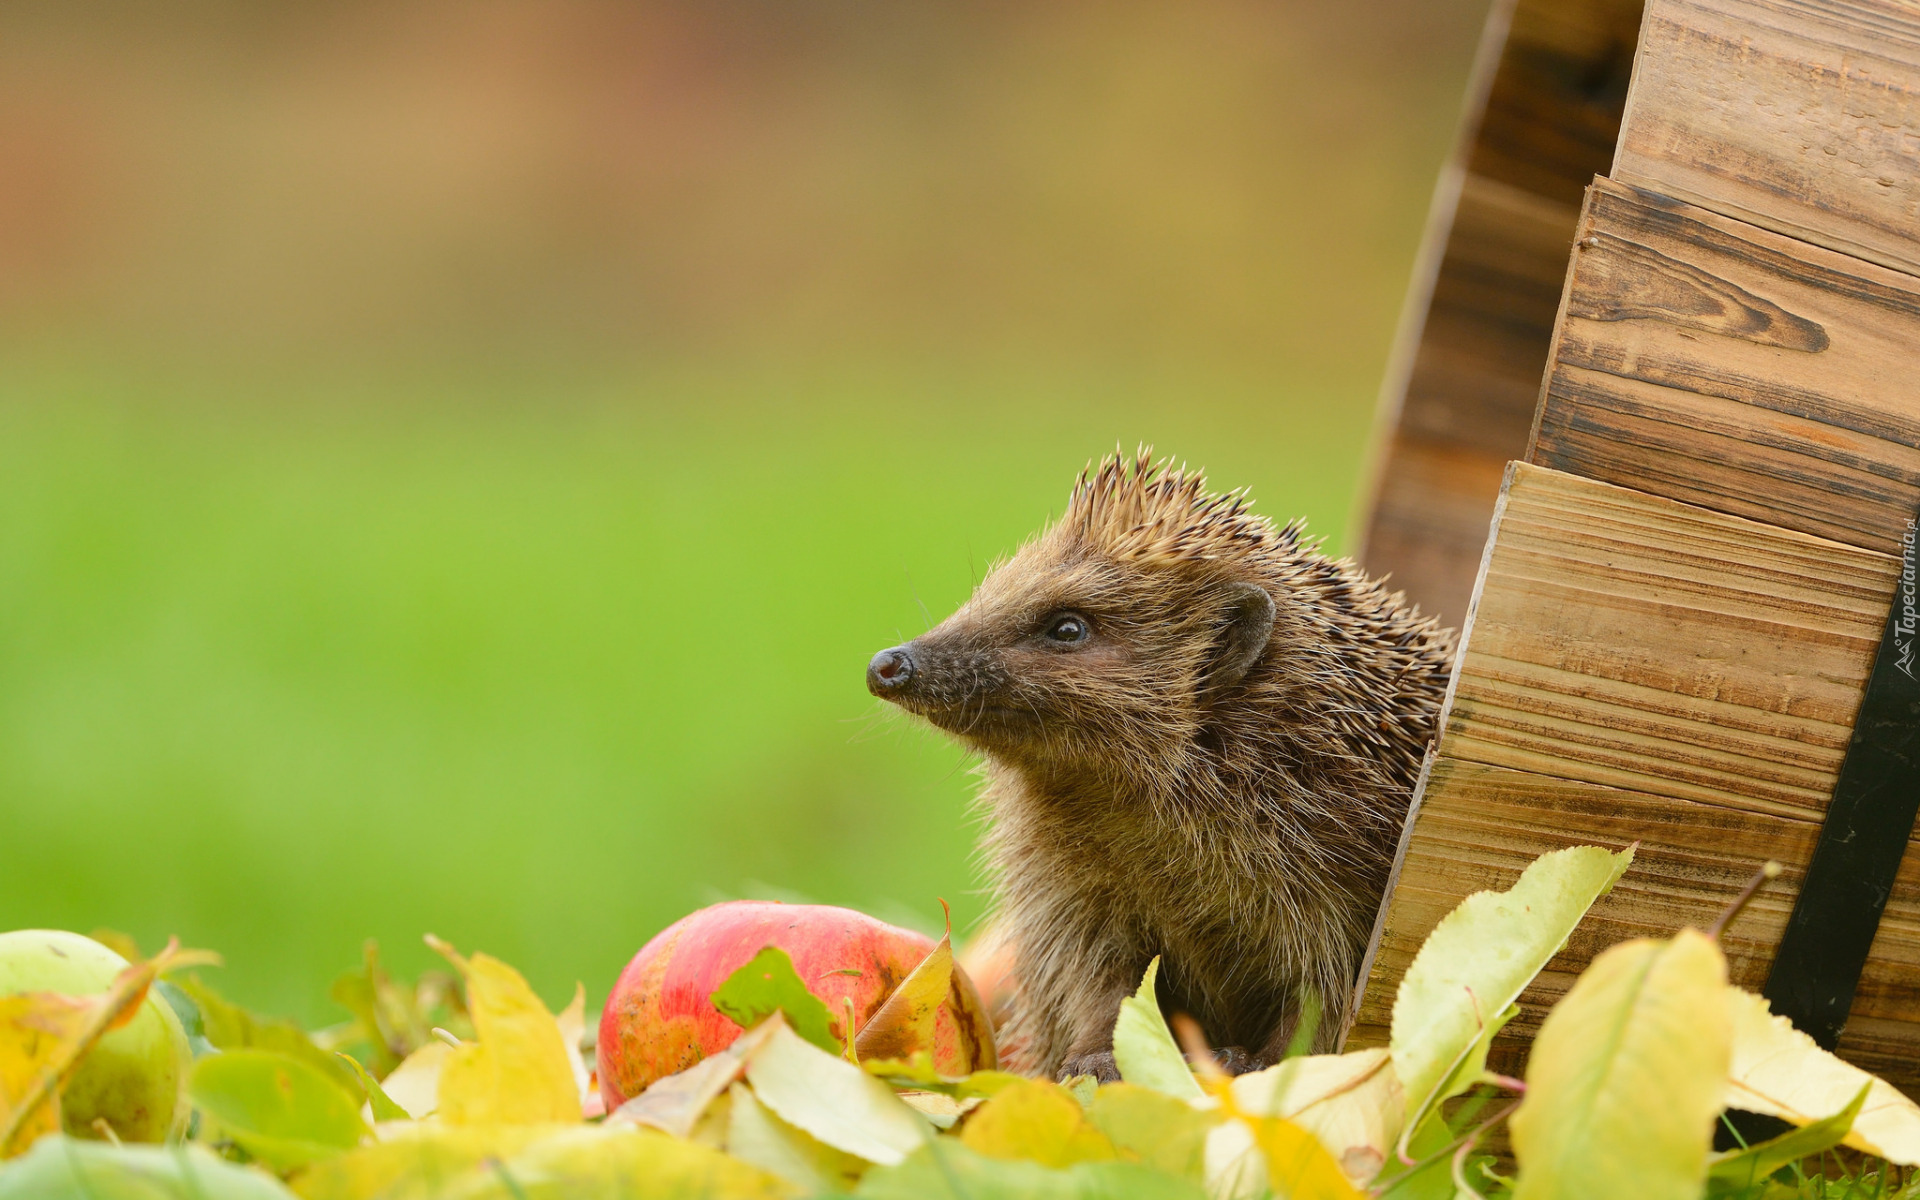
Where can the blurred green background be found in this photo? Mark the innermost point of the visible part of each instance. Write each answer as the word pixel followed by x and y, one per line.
pixel 456 459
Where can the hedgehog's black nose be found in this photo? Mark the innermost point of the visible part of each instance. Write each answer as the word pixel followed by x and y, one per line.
pixel 890 671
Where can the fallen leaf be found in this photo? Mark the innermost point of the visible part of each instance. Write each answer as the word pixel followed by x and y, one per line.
pixel 1780 1071
pixel 1462 984
pixel 1038 1121
pixel 415 1161
pixel 1143 1048
pixel 766 984
pixel 572 1021
pixel 230 1027
pixel 832 1099
pixel 1352 1103
pixel 1625 1079
pixel 60 1166
pixel 905 1019
pixel 379 1104
pixel 282 1110
pixel 1298 1166
pixel 947 1170
pixel 414 1085
pixel 759 1138
pixel 620 1161
pixel 918 1073
pixel 1737 1171
pixel 674 1104
pixel 517 1072
pixel 1164 1133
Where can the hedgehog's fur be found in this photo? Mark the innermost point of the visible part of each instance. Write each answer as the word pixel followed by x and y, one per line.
pixel 1137 807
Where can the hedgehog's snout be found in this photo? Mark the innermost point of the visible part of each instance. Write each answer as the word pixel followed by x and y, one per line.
pixel 890 672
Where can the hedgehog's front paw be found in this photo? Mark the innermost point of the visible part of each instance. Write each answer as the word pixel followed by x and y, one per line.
pixel 1098 1064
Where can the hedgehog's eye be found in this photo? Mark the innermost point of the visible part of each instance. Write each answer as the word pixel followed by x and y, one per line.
pixel 1068 629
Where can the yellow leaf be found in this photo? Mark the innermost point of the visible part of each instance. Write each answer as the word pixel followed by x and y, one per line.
pixel 413 1160
pixel 904 1021
pixel 1779 1071
pixel 758 1138
pixel 1625 1079
pixel 415 1084
pixel 1166 1134
pixel 1352 1103
pixel 517 1073
pixel 833 1100
pixel 1037 1121
pixel 44 1035
pixel 35 1028
pixel 1298 1167
pixel 573 1027
pixel 603 1161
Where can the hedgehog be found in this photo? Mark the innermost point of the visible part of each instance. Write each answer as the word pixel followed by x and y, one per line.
pixel 1200 736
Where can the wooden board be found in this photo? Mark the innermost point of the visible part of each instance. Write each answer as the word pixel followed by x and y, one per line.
pixel 1638 669
pixel 1459 395
pixel 1702 358
pixel 1479 826
pixel 1802 116
pixel 1632 641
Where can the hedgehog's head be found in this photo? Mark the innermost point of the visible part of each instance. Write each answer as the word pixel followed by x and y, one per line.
pixel 1111 637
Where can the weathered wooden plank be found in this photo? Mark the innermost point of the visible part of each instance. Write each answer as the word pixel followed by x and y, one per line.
pixel 1705 359
pixel 1802 116
pixel 1465 372
pixel 1553 112
pixel 1430 520
pixel 1478 826
pixel 1636 642
pixel 1476 375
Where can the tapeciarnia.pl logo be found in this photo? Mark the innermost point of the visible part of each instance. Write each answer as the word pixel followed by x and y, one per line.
pixel 1903 627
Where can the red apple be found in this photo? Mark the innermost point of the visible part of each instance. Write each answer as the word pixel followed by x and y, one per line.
pixel 660 1019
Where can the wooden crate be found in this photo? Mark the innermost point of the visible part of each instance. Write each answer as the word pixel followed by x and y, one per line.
pixel 1678 594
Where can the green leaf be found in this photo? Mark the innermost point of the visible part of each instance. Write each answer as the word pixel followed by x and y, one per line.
pixel 282 1110
pixel 231 1027
pixel 917 1073
pixel 768 984
pixel 1431 1175
pixel 1626 1077
pixel 1143 1049
pixel 946 1170
pixel 60 1166
pixel 1168 1135
pixel 384 1109
pixel 1474 965
pixel 1738 1170
pixel 832 1099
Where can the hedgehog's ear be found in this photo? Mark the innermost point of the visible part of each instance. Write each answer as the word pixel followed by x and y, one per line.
pixel 1248 614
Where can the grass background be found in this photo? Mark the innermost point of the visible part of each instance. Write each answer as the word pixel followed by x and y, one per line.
pixel 456 461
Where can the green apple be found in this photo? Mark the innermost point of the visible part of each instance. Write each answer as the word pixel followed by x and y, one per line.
pixel 135 1077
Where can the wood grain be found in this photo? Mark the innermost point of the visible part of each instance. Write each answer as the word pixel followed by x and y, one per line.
pixel 1702 358
pixel 1801 116
pixel 1478 826
pixel 1633 641
pixel 1465 373
pixel 1431 517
